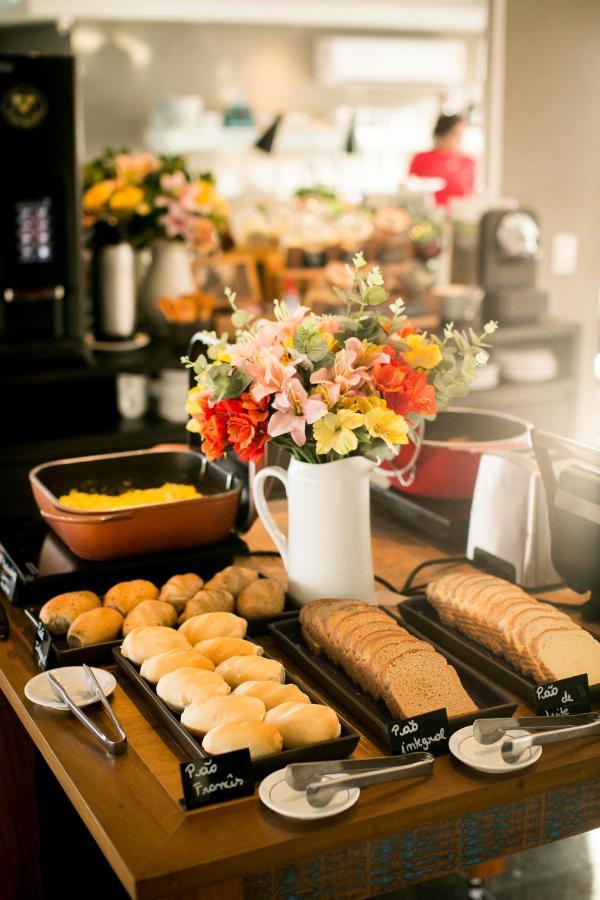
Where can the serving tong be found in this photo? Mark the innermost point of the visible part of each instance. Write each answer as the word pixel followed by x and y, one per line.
pixel 551 730
pixel 114 747
pixel 320 789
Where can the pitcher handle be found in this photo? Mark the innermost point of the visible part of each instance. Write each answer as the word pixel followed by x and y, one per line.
pixel 262 507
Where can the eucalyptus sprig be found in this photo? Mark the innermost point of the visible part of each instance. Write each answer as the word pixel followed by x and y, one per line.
pixel 463 352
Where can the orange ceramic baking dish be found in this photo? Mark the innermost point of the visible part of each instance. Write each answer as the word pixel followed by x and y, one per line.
pixel 136 530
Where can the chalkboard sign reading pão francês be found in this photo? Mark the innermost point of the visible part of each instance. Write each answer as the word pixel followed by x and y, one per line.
pixel 42 645
pixel 565 697
pixel 216 779
pixel 427 732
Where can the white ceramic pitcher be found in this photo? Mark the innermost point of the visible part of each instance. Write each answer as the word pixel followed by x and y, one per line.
pixel 327 552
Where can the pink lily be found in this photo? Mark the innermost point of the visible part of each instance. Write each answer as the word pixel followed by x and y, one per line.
pixel 367 355
pixel 295 410
pixel 342 377
pixel 271 376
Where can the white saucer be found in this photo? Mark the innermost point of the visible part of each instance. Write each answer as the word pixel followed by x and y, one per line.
pixel 137 342
pixel 39 690
pixel 487 757
pixel 275 793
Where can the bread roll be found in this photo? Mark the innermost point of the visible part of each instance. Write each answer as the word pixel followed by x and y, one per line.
pixel 150 612
pixel 182 686
pixel 221 648
pixel 95 626
pixel 271 693
pixel 260 739
pixel 154 668
pixel 213 624
pixel 264 597
pixel 147 640
pixel 127 594
pixel 238 669
pixel 178 590
pixel 208 601
pixel 201 717
pixel 59 613
pixel 301 723
pixel 233 579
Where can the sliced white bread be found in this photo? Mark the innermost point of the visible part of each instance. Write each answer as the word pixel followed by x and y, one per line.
pixel 562 653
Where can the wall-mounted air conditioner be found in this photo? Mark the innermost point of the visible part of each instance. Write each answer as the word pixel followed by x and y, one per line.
pixel 373 60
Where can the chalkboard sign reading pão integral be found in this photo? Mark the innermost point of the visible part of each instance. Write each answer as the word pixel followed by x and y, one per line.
pixel 216 779
pixel 427 732
pixel 565 697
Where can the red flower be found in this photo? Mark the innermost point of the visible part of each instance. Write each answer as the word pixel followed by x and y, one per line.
pixel 247 427
pixel 415 394
pixel 212 421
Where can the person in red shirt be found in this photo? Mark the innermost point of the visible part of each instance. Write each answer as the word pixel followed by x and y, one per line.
pixel 446 161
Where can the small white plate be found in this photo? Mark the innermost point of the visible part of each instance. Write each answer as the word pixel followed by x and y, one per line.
pixel 487 757
pixel 39 690
pixel 137 342
pixel 282 799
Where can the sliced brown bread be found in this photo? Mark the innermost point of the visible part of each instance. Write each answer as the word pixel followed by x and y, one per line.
pixel 365 669
pixel 563 653
pixel 421 682
pixel 339 634
pixel 374 679
pixel 318 622
pixel 360 635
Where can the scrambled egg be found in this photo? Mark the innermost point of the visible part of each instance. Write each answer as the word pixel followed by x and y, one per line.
pixel 163 494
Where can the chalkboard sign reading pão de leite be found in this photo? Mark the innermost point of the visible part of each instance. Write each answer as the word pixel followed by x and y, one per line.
pixel 216 779
pixel 427 732
pixel 565 697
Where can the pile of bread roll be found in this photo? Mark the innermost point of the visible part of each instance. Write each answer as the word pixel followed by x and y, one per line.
pixel 227 693
pixel 86 619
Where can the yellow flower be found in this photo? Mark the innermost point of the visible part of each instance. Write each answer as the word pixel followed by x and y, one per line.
pixel 423 353
pixel 205 193
pixel 320 393
pixel 192 406
pixel 387 426
pixel 363 404
pixel 126 199
pixel 335 431
pixel 96 196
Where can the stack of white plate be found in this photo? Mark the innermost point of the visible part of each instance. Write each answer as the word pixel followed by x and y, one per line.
pixel 486 378
pixel 171 391
pixel 527 364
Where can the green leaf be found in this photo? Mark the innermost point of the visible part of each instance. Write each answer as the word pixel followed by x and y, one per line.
pixel 228 384
pixel 375 295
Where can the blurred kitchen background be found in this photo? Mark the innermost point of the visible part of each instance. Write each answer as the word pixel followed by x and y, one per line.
pixel 307 115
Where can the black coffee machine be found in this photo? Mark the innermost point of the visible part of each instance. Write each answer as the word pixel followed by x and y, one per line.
pixel 41 312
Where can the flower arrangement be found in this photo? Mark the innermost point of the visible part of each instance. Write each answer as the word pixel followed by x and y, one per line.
pixel 326 387
pixel 148 197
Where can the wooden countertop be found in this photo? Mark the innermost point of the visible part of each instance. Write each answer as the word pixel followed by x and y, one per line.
pixel 130 803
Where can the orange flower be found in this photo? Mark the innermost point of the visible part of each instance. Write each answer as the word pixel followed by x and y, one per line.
pixel 126 199
pixel 99 194
pixel 388 378
pixel 247 427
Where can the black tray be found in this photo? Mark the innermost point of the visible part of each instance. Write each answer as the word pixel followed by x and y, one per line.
pixel 338 748
pixel 99 654
pixel 374 714
pixel 423 616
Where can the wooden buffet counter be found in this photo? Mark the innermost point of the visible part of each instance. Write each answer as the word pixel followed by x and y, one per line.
pixel 396 834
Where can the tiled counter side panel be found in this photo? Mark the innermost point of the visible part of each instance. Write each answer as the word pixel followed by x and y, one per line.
pixel 404 859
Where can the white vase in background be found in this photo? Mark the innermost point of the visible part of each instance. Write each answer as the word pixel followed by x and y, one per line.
pixel 327 552
pixel 169 275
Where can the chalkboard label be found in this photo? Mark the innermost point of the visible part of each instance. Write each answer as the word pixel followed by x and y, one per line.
pixel 42 645
pixel 216 779
pixel 8 576
pixel 428 732
pixel 565 697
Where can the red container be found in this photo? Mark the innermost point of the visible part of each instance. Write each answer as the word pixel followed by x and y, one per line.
pixel 446 463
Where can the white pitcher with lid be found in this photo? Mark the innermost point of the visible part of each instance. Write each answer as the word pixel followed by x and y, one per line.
pixel 327 551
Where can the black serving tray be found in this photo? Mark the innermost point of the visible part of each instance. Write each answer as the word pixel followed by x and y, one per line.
pixel 337 748
pixel 207 564
pixel 420 614
pixel 374 714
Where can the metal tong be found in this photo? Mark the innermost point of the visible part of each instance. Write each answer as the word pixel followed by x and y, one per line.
pixel 115 748
pixel 321 789
pixel 514 748
pixel 488 731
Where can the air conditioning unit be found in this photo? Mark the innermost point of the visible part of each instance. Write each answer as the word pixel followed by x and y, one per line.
pixel 373 60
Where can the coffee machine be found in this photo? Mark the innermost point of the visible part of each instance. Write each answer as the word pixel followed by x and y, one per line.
pixel 508 254
pixel 41 310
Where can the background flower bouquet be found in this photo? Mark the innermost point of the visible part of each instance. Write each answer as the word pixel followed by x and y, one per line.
pixel 328 387
pixel 148 197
